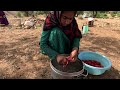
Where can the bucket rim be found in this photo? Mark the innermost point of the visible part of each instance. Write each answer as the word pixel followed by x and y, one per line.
pixel 66 73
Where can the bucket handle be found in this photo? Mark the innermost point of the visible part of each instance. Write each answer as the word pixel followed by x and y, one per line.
pixel 83 75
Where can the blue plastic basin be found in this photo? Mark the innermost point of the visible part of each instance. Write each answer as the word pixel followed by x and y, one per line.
pixel 89 55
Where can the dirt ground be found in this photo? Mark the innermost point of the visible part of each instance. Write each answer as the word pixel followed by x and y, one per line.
pixel 20 56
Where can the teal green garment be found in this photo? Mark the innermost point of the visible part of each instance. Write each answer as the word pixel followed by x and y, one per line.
pixel 54 42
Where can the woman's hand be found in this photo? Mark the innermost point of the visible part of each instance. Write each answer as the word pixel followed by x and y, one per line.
pixel 74 54
pixel 61 59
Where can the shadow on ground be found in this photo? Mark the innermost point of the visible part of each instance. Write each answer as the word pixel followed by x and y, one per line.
pixel 110 74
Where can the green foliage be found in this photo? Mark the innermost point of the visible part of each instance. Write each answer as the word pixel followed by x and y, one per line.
pixel 114 12
pixel 118 13
pixel 113 15
pixel 25 13
pixel 79 12
pixel 102 11
pixel 80 17
pixel 29 13
pixel 38 12
pixel 101 15
pixel 19 14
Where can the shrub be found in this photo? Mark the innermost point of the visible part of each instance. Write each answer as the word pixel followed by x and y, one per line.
pixel 101 15
pixel 113 14
pixel 19 14
pixel 118 13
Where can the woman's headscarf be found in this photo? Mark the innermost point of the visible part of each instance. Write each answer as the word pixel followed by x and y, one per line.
pixel 53 20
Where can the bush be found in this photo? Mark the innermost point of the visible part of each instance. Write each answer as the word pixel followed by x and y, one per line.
pixel 41 12
pixel 80 17
pixel 37 12
pixel 25 13
pixel 80 12
pixel 113 14
pixel 101 15
pixel 118 13
pixel 29 13
pixel 19 14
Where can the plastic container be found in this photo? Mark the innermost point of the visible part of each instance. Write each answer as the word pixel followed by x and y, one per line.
pixel 85 29
pixel 89 55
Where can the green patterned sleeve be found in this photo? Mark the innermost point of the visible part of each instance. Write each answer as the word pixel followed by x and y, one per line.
pixel 44 45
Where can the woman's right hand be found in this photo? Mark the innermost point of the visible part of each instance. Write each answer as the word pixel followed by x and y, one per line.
pixel 61 59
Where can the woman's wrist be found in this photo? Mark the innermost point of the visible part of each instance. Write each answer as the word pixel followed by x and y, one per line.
pixel 75 48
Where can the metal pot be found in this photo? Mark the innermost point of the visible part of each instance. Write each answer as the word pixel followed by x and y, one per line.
pixel 57 74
